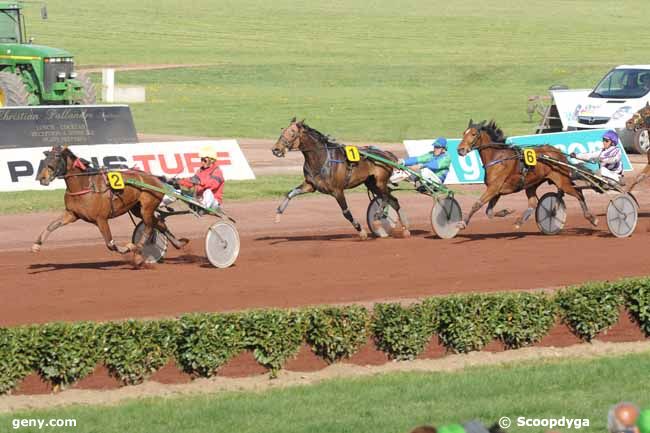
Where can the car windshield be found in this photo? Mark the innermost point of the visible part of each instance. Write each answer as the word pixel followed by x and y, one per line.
pixel 623 84
pixel 9 26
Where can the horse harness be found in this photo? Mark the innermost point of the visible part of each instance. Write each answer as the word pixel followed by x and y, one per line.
pixel 523 168
pixel 326 166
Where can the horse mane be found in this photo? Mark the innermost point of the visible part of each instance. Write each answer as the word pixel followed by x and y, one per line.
pixel 495 133
pixel 319 136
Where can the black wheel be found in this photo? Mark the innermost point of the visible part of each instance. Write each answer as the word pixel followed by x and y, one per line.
pixel 381 218
pixel 155 248
pixel 13 92
pixel 641 141
pixel 90 94
pixel 622 215
pixel 222 244
pixel 550 214
pixel 445 216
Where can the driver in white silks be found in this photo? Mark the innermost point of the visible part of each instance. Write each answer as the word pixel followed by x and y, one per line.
pixel 609 158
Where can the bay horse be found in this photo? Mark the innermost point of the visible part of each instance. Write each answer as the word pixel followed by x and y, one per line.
pixel 327 170
pixel 89 197
pixel 638 121
pixel 506 173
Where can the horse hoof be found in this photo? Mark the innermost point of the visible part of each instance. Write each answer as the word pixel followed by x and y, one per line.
pixel 277 218
pixel 138 261
pixel 461 225
pixel 363 235
pixel 36 248
pixel 130 246
pixel 183 242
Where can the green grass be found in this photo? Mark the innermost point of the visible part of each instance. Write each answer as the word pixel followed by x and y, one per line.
pixel 388 403
pixel 382 70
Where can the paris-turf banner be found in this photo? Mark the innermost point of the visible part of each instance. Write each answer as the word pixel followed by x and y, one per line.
pixel 18 167
pixel 469 169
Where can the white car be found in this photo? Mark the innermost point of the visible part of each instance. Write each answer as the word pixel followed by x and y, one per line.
pixel 621 93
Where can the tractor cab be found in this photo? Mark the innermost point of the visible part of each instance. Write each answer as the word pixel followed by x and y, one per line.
pixel 35 74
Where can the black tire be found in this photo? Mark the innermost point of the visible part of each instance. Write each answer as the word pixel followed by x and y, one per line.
pixel 13 92
pixel 90 94
pixel 641 141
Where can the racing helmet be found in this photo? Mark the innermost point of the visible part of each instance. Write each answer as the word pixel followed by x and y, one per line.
pixel 612 135
pixel 207 152
pixel 440 142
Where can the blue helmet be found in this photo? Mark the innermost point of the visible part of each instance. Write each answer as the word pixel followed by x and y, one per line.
pixel 440 142
pixel 611 135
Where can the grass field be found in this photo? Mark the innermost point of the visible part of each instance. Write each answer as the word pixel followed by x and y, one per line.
pixel 386 404
pixel 359 70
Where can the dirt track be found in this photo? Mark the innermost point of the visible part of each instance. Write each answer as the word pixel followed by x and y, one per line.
pixel 312 257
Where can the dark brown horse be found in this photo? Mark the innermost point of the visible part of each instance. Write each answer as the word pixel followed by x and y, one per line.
pixel 89 197
pixel 640 120
pixel 506 173
pixel 328 171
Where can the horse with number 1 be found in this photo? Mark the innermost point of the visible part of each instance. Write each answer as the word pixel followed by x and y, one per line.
pixel 331 168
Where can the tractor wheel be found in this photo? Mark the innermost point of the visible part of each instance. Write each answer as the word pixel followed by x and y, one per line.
pixel 12 90
pixel 90 94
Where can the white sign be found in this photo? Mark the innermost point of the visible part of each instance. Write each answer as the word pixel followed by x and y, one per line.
pixel 569 104
pixel 19 167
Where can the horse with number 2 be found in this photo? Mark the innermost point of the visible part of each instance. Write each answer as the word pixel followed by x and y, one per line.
pixel 97 195
pixel 331 168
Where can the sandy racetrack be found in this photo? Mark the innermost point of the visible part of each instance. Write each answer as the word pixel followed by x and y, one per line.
pixel 312 257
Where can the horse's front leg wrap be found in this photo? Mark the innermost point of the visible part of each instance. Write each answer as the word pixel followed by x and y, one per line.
pixel 348 216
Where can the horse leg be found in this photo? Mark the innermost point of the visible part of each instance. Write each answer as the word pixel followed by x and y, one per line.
pixel 642 176
pixel 340 198
pixel 531 193
pixel 303 188
pixel 105 230
pixel 177 243
pixel 565 185
pixel 487 196
pixel 499 214
pixel 67 218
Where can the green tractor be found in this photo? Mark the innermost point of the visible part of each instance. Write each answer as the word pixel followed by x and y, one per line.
pixel 35 74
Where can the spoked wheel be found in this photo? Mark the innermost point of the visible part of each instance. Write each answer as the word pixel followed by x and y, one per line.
pixel 550 213
pixel 153 249
pixel 622 215
pixel 382 218
pixel 222 244
pixel 445 216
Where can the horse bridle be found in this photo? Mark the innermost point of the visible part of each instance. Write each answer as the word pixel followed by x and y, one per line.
pixel 285 142
pixel 60 169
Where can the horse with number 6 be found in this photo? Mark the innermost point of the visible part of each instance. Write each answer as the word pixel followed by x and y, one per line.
pixel 330 168
pixel 507 172
pixel 90 196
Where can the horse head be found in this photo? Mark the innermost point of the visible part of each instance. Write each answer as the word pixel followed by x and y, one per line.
pixel 289 138
pixel 639 119
pixel 54 165
pixel 471 138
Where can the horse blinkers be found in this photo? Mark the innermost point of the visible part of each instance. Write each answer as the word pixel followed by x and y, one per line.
pixel 54 166
pixel 285 143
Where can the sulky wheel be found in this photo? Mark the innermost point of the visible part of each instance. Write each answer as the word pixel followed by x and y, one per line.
pixel 445 216
pixel 155 248
pixel 622 215
pixel 550 213
pixel 381 217
pixel 222 244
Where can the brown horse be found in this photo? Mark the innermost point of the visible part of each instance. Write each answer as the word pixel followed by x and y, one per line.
pixel 328 171
pixel 506 173
pixel 89 197
pixel 640 120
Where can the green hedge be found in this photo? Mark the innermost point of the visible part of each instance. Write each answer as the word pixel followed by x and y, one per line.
pixel 63 353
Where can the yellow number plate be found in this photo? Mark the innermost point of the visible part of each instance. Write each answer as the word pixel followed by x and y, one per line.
pixel 115 180
pixel 530 157
pixel 352 153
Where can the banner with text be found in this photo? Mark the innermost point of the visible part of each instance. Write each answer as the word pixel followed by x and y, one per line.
pixel 469 169
pixel 18 167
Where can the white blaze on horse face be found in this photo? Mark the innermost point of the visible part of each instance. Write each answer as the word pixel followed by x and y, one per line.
pixel 466 131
